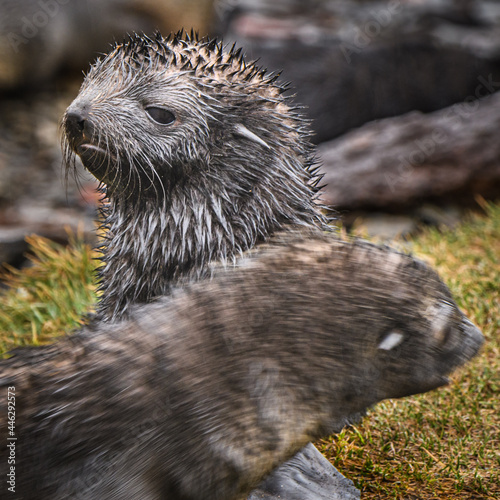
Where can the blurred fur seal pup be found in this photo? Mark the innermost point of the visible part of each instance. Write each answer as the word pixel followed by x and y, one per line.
pixel 200 156
pixel 199 395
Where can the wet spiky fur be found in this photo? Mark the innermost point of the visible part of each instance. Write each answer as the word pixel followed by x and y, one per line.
pixel 197 191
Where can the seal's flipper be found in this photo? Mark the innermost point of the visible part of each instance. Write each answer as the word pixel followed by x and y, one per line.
pixel 307 476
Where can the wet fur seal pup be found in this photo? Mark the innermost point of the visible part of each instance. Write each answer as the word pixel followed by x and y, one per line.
pixel 200 157
pixel 201 394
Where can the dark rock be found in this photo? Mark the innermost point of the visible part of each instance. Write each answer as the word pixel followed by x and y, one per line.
pixel 433 215
pixel 449 155
pixel 12 245
pixel 352 62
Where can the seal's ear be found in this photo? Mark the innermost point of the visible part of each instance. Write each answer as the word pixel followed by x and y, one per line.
pixel 242 131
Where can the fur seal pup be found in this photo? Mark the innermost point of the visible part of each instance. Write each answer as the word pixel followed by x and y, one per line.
pixel 203 393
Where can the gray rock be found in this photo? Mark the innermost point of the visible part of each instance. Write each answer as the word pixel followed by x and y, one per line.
pixel 385 226
pixel 450 155
pixel 307 474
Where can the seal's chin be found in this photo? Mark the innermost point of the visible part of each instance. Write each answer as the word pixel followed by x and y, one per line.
pixel 97 161
pixel 430 385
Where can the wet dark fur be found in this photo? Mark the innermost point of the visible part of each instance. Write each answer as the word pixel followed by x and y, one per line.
pixel 200 395
pixel 197 190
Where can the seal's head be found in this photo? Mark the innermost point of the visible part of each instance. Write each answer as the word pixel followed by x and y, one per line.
pixel 158 113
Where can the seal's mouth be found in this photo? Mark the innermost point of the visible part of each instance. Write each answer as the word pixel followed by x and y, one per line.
pixel 98 161
pixel 85 148
pixel 106 166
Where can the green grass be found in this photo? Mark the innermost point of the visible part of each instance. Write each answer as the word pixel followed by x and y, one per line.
pixel 50 297
pixel 441 445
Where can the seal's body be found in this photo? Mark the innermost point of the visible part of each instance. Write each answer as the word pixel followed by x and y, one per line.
pixel 201 394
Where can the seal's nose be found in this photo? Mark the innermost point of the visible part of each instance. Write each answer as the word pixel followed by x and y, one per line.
pixel 474 338
pixel 75 122
pixel 77 126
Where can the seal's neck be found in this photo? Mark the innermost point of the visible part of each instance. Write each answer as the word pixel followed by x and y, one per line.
pixel 150 246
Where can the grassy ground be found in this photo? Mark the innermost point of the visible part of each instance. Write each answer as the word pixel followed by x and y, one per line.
pixel 444 444
pixel 48 298
pixel 440 445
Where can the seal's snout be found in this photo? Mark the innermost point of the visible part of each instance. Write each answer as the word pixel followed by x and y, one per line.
pixel 77 125
pixel 82 137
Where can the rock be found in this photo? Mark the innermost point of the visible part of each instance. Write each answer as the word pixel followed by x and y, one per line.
pixel 384 227
pixel 449 155
pixel 12 245
pixel 433 215
pixel 307 473
pixel 40 37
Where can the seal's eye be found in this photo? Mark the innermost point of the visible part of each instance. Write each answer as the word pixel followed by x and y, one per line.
pixel 161 115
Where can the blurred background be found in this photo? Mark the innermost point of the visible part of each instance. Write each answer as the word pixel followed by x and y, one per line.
pixel 401 94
